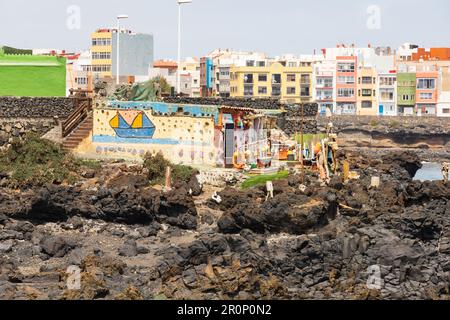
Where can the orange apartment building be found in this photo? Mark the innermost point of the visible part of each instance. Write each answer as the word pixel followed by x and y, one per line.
pixel 427 92
pixel 346 75
pixel 433 54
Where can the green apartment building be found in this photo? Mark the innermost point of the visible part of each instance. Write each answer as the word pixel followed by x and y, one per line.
pixel 406 90
pixel 26 75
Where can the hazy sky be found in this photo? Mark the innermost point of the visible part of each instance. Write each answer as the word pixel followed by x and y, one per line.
pixel 274 27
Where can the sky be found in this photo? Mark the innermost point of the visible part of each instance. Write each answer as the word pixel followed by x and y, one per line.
pixel 275 27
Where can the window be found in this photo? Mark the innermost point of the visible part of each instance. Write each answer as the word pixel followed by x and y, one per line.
pixel 101 55
pixel 101 41
pixel 248 90
pixel 366 104
pixel 346 93
pixel 101 68
pixel 305 92
pixel 305 79
pixel 325 82
pixel 446 111
pixel 248 78
pixel 366 92
pixel 276 78
pixel 346 67
pixel 250 63
pixel 387 94
pixel 346 80
pixel 407 97
pixel 366 80
pixel 291 77
pixel 81 81
pixel 262 78
pixel 426 96
pixel 426 84
pixel 261 63
pixel 262 90
pixel 276 91
pixel 387 81
pixel 292 64
pixel 291 90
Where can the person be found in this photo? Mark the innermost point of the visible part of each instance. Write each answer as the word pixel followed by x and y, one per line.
pixel 445 171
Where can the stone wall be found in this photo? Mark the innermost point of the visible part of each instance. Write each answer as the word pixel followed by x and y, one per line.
pixel 18 127
pixel 23 107
pixel 418 125
pixel 390 132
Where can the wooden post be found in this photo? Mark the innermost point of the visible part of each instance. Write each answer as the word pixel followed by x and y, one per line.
pixel 168 179
pixel 346 170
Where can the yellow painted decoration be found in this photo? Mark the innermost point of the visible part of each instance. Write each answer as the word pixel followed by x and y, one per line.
pixel 138 122
pixel 115 121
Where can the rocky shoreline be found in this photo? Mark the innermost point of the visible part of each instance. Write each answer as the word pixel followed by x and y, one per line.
pixel 132 241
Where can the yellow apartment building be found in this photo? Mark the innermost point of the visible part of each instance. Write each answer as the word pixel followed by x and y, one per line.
pixel 289 84
pixel 136 54
pixel 367 97
pixel 102 50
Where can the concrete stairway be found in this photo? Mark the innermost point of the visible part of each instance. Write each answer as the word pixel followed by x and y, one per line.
pixel 79 134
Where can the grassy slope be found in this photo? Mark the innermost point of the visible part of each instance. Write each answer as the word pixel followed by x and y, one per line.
pixel 32 81
pixel 262 179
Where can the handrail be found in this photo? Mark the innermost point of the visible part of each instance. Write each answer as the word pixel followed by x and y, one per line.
pixel 84 106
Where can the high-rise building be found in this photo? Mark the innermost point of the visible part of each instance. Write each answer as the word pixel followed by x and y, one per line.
pixel 136 53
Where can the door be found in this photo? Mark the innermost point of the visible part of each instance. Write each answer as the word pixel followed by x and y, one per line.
pixel 381 110
pixel 229 145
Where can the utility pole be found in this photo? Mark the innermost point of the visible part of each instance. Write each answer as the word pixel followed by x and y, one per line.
pixel 119 17
pixel 180 3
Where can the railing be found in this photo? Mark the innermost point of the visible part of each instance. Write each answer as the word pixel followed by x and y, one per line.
pixel 83 107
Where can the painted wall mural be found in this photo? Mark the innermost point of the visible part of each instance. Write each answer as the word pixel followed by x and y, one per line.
pixel 140 127
pixel 183 133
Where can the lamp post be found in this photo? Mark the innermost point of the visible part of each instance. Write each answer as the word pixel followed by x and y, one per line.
pixel 119 17
pixel 180 3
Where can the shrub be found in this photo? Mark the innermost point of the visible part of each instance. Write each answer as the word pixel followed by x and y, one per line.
pixel 157 166
pixel 374 123
pixel 394 124
pixel 37 161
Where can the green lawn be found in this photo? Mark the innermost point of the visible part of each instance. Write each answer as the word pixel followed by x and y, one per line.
pixel 262 179
pixel 29 59
pixel 30 79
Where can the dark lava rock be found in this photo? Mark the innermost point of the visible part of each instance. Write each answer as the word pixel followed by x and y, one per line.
pixel 56 246
pixel 129 249
pixel 409 161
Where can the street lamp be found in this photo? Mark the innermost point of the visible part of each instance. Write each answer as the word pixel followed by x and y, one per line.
pixel 180 3
pixel 119 17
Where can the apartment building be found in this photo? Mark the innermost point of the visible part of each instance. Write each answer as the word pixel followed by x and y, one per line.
pixel 346 74
pixel 222 61
pixel 190 77
pixel 367 99
pixel 406 93
pixel 324 79
pixel 207 77
pixel 288 84
pixel 426 92
pixel 136 53
pixel 387 93
pixel 443 106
